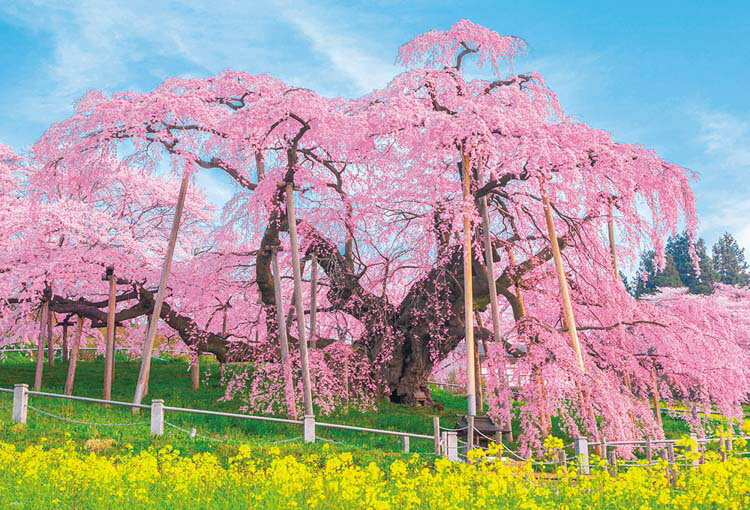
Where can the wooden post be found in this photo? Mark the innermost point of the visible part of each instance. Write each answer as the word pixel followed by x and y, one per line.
pixel 65 324
pixel 283 340
pixel 451 445
pixel 581 448
pixel 148 344
pixel 695 449
pixel 570 322
pixel 478 375
pixel 50 342
pixel 74 357
pixel 20 403
pixel 649 450
pixel 292 220
pixel 612 246
pixel 40 346
pixel 109 353
pixel 195 370
pixel 468 297
pixel 670 453
pixel 490 263
pixel 314 302
pixel 157 417
pixel 308 428
pixel 436 433
pixel 655 398
pixel 494 309
pixel 469 433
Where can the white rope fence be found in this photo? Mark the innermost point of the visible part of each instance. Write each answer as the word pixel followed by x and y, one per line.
pixel 157 422
pixel 77 422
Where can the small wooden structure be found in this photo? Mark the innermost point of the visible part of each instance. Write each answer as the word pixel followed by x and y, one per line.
pixel 486 430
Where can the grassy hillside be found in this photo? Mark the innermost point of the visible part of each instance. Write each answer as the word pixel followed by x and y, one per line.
pixel 170 382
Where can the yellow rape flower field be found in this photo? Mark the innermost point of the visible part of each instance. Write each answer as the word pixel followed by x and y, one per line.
pixel 71 477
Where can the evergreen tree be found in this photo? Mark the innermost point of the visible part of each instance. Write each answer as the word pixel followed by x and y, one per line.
pixel 729 261
pixel 649 280
pixel 701 281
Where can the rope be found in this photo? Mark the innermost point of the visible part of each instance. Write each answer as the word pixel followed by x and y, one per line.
pixel 329 440
pixel 449 429
pixel 194 433
pixel 87 422
pixel 287 440
pixel 517 456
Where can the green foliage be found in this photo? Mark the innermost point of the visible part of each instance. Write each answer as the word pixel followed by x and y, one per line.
pixel 679 269
pixel 699 281
pixel 729 261
pixel 649 279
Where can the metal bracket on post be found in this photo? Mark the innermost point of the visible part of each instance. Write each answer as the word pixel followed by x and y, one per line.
pixel 581 448
pixel 20 402
pixel 451 445
pixel 309 428
pixel 157 417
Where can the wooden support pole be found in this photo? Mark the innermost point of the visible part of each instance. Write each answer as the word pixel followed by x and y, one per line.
pixel 314 302
pixel 469 433
pixel 301 333
pixel 109 353
pixel 70 379
pixel 545 418
pixel 50 342
pixel 283 339
pixel 570 322
pixel 148 344
pixel 65 341
pixel 468 297
pixel 43 320
pixel 655 398
pixel 612 246
pixel 494 308
pixel 478 376
pixel 195 371
pixel 284 342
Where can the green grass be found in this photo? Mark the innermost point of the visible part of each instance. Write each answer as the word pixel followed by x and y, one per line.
pixel 170 381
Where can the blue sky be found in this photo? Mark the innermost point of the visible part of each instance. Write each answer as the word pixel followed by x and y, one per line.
pixel 670 75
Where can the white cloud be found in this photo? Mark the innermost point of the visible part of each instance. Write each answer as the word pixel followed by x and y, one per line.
pixel 725 136
pixel 346 52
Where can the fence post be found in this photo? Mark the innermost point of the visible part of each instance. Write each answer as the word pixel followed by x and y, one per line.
pixel 670 453
pixel 581 448
pixel 649 453
pixel 696 449
pixel 20 402
pixel 309 428
pixel 157 417
pixel 451 445
pixel 436 433
pixel 406 444
pixel 612 457
pixel 469 433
